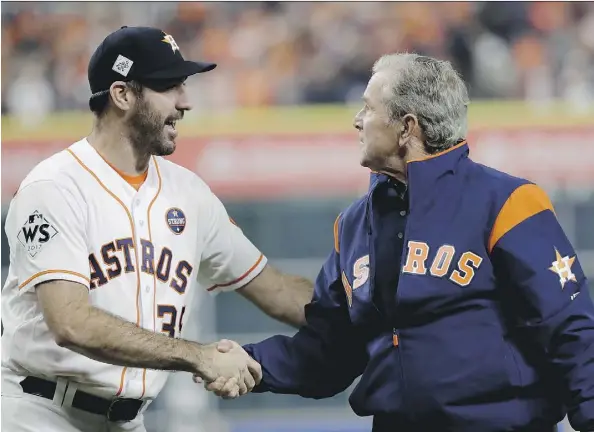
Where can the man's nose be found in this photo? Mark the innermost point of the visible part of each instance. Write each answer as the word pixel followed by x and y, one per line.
pixel 357 121
pixel 183 101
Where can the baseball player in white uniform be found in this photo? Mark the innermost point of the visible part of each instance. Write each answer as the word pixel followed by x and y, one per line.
pixel 109 242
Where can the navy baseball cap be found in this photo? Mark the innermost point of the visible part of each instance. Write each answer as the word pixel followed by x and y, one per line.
pixel 143 54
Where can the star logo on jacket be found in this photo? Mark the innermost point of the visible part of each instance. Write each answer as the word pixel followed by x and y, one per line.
pixel 562 267
pixel 169 39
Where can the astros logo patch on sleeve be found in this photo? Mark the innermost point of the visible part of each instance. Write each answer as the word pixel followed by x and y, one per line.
pixel 35 233
pixel 562 266
pixel 176 219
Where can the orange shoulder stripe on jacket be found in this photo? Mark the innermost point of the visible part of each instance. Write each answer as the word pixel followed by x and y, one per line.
pixel 347 289
pixel 525 202
pixel 336 242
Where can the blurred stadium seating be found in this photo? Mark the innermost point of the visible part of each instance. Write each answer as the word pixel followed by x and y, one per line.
pixel 272 134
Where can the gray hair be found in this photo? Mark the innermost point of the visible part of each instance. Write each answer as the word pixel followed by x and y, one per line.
pixel 430 89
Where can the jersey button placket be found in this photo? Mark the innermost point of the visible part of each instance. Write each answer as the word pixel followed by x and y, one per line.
pixel 148 280
pixel 149 306
pixel 145 301
pixel 141 232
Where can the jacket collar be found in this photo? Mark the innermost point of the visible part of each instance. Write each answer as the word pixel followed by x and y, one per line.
pixel 423 174
pixel 378 178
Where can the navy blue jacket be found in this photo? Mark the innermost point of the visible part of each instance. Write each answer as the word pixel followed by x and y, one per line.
pixel 493 326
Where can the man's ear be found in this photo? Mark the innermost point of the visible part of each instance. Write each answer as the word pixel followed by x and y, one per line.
pixel 410 126
pixel 407 130
pixel 121 95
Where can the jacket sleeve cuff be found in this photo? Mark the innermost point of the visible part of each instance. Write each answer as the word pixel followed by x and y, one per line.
pixel 262 387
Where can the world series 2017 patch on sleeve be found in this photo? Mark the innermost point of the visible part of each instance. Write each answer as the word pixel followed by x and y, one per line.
pixel 35 233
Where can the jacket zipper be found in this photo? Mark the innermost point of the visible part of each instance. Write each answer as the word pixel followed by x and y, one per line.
pixel 369 217
pixel 395 337
pixel 397 334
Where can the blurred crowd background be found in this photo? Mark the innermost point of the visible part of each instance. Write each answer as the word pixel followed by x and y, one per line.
pixel 278 145
pixel 305 52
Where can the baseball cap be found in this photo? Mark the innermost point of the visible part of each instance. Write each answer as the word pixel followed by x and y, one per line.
pixel 143 54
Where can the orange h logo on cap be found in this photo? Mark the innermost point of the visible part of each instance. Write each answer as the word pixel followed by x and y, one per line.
pixel 169 39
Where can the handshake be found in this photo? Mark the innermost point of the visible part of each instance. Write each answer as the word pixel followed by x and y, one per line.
pixel 230 372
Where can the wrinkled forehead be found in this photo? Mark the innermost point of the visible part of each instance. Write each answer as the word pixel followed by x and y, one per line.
pixel 378 88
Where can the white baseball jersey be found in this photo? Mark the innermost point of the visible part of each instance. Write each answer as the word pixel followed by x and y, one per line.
pixel 142 254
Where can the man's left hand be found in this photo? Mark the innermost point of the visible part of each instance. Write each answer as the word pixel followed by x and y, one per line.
pixel 220 386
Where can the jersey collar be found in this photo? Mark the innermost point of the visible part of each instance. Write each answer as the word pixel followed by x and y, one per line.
pixel 92 161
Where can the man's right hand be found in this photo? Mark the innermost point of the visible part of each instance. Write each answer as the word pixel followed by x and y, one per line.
pixel 228 369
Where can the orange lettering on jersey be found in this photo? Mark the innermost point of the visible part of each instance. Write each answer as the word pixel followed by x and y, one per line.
pixel 467 264
pixel 442 261
pixel 360 271
pixel 415 260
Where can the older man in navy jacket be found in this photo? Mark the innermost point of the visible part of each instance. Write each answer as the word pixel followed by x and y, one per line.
pixel 451 289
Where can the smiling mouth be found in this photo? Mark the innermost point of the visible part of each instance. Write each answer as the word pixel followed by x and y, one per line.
pixel 171 123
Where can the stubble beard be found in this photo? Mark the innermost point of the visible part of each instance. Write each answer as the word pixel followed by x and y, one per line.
pixel 147 135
